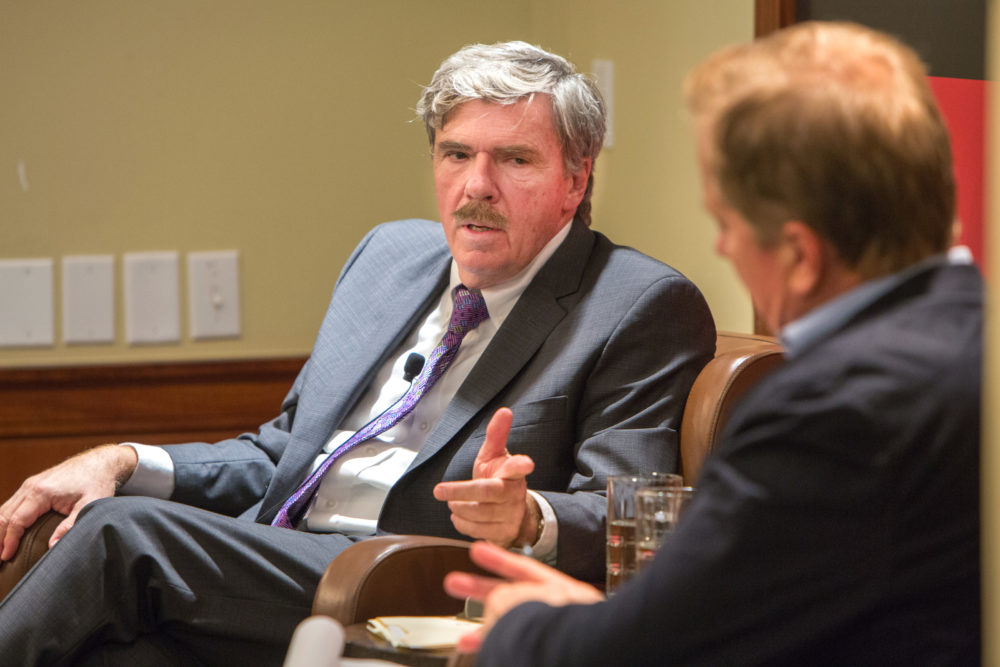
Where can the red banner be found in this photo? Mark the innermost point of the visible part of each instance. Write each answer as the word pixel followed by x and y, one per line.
pixel 963 103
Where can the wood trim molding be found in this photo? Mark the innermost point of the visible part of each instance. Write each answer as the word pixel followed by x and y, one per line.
pixel 771 15
pixel 49 414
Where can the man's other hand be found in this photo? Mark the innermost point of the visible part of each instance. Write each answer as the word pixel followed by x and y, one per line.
pixel 524 580
pixel 494 505
pixel 65 488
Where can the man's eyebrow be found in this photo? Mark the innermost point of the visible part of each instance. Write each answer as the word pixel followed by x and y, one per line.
pixel 451 145
pixel 517 150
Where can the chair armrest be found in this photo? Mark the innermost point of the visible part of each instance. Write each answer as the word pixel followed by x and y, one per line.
pixel 457 659
pixel 392 575
pixel 34 544
pixel 740 362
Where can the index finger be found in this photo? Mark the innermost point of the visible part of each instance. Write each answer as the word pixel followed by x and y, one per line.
pixel 11 538
pixel 495 444
pixel 13 526
pixel 509 565
pixel 462 585
pixel 471 642
pixel 473 490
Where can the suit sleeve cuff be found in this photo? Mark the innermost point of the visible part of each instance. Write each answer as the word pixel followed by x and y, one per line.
pixel 545 547
pixel 154 474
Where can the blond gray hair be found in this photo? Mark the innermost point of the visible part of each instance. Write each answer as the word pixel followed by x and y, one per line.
pixel 834 125
pixel 507 72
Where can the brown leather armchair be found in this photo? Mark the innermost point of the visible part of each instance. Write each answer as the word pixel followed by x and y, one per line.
pixel 402 574
pixel 34 544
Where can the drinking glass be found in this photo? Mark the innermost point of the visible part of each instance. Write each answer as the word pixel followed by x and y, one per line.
pixel 621 522
pixel 657 510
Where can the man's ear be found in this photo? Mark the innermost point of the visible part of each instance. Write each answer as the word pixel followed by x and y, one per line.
pixel 581 175
pixel 578 186
pixel 803 257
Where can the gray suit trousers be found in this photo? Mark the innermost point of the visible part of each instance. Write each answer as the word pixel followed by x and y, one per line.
pixel 153 555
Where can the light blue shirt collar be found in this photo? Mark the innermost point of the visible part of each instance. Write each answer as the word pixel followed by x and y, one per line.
pixel 820 322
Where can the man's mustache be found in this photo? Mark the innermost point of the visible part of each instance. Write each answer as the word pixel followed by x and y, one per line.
pixel 480 211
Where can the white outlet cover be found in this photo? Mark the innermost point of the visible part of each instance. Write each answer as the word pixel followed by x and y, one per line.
pixel 26 303
pixel 214 294
pixel 152 298
pixel 88 298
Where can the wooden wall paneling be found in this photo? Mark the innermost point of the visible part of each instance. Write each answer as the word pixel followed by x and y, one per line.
pixel 771 15
pixel 49 414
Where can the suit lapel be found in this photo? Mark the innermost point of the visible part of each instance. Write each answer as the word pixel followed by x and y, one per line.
pixel 376 315
pixel 526 328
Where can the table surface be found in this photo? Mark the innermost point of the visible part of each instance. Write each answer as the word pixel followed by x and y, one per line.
pixel 359 643
pixel 366 662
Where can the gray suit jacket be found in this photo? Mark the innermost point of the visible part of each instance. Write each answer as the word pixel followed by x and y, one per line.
pixel 596 360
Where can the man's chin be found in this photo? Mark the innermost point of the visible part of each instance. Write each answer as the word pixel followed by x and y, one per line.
pixel 479 274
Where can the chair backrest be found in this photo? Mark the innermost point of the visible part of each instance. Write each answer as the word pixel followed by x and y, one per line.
pixel 741 360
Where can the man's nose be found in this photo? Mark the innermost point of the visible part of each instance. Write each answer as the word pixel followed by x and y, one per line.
pixel 481 182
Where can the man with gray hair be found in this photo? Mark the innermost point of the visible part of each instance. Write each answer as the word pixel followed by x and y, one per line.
pixel 552 358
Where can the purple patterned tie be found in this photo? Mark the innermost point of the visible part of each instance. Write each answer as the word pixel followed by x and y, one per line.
pixel 469 311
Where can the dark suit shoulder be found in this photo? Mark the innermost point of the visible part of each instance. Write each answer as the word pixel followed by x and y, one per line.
pixel 632 261
pixel 620 278
pixel 920 334
pixel 896 389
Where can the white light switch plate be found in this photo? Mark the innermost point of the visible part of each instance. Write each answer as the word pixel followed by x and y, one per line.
pixel 604 76
pixel 26 303
pixel 214 294
pixel 152 298
pixel 88 298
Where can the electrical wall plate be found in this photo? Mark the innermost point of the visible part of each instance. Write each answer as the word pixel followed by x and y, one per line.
pixel 152 298
pixel 88 298
pixel 26 303
pixel 214 294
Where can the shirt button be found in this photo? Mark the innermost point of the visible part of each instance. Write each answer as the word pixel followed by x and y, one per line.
pixel 422 426
pixel 370 451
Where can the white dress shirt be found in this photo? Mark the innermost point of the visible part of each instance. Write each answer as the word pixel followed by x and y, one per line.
pixel 353 490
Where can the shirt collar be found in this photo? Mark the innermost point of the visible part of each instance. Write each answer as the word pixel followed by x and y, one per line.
pixel 500 299
pixel 818 323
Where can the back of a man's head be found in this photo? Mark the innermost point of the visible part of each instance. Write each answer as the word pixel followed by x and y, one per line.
pixel 507 72
pixel 833 125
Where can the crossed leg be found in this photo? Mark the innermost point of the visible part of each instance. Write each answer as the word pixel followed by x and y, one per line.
pixel 137 579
